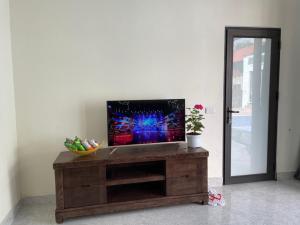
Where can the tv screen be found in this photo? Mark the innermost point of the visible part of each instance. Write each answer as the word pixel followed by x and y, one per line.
pixel 145 121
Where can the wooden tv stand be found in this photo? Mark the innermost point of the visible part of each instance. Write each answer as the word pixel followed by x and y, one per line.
pixel 131 178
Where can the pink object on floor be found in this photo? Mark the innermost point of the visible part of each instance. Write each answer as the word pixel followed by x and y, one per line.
pixel 215 198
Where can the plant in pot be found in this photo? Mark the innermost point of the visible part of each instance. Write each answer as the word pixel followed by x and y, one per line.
pixel 194 125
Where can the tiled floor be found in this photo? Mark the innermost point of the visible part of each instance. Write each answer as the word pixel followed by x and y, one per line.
pixel 254 203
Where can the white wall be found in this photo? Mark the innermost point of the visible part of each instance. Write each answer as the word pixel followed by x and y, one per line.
pixel 288 142
pixel 8 134
pixel 71 56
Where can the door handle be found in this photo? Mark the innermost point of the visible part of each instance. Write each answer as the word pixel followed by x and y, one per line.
pixel 232 111
pixel 229 112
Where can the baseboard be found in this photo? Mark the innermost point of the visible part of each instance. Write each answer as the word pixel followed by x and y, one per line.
pixel 9 218
pixel 39 200
pixel 218 181
pixel 286 175
pixel 215 181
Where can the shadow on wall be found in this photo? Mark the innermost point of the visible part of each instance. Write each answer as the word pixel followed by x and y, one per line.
pixel 36 169
pixel 297 175
pixel 13 185
pixel 96 122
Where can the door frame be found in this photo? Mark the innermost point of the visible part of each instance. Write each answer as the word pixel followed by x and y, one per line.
pixel 252 32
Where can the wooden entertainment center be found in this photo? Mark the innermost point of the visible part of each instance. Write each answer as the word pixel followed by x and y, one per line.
pixel 130 178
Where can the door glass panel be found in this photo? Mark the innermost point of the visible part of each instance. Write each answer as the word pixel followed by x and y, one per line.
pixel 250 96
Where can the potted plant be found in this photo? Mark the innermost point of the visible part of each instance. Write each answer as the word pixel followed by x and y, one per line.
pixel 194 125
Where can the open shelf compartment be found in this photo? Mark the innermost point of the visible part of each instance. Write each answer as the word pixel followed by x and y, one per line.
pixel 135 181
pixel 130 173
pixel 137 191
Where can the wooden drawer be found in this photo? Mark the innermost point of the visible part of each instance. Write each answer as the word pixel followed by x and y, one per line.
pixel 184 185
pixel 84 196
pixel 183 168
pixel 82 176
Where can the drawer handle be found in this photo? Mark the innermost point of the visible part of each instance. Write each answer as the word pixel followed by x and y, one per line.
pixel 85 185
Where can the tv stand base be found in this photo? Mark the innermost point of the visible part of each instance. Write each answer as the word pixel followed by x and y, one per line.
pixel 131 178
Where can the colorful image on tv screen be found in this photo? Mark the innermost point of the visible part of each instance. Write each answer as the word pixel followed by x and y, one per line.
pixel 145 121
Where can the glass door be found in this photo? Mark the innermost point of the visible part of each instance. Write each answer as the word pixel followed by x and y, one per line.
pixel 252 68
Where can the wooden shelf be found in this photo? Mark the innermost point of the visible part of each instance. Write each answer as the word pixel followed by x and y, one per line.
pixel 132 192
pixel 134 177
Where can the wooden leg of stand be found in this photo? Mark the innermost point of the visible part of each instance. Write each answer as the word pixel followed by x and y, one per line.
pixel 59 218
pixel 204 202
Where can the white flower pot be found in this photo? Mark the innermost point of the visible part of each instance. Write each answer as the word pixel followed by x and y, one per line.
pixel 194 141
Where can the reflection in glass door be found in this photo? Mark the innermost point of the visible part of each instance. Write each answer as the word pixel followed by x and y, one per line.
pixel 250 97
pixel 251 79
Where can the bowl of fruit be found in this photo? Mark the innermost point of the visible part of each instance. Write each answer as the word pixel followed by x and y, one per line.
pixel 82 147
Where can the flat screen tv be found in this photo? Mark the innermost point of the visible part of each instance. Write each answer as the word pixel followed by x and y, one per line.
pixel 145 121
